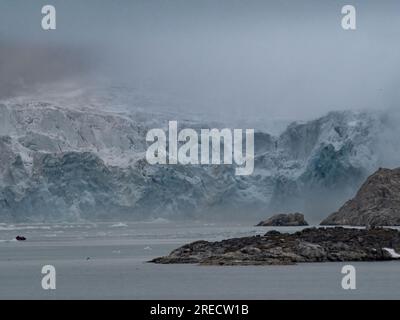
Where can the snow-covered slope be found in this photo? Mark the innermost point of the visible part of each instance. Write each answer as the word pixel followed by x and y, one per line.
pixel 85 160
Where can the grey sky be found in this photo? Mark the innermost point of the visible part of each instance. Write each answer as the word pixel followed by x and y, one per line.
pixel 287 59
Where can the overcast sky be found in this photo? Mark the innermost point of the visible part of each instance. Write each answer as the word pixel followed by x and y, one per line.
pixel 287 59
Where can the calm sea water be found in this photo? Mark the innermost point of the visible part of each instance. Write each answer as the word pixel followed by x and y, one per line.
pixel 108 261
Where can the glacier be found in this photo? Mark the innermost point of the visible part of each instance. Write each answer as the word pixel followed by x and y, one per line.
pixel 76 159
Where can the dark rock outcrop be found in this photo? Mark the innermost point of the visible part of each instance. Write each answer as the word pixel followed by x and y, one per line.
pixel 377 203
pixel 308 245
pixel 284 220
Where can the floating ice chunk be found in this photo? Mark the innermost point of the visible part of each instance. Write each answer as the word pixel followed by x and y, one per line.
pixel 50 235
pixel 392 253
pixel 159 220
pixel 119 225
pixel 9 240
pixel 12 227
pixel 147 248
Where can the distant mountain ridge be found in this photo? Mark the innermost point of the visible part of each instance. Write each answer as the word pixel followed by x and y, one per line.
pixel 66 163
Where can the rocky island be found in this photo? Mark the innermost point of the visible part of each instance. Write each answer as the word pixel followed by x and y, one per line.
pixel 308 245
pixel 377 203
pixel 284 220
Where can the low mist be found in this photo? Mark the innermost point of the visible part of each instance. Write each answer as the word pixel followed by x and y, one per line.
pixel 23 66
pixel 226 59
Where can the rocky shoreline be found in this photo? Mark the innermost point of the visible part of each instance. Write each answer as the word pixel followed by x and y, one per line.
pixel 309 245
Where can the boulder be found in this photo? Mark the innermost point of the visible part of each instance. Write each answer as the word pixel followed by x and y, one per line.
pixel 285 220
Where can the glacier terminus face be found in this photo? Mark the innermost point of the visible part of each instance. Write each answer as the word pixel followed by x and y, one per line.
pixel 71 159
pixel 183 147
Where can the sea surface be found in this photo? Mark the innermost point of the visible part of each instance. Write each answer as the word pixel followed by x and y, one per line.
pixel 109 261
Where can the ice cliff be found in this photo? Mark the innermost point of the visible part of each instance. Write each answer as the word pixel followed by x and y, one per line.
pixel 60 161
